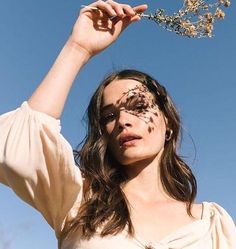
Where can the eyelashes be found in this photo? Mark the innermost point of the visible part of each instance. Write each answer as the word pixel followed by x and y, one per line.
pixel 108 118
pixel 141 107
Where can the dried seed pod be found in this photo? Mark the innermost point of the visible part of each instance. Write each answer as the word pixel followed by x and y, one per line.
pixel 219 14
pixel 194 19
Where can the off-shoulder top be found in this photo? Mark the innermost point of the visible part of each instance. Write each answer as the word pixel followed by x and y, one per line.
pixel 37 162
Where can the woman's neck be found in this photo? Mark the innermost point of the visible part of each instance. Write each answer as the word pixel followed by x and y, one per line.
pixel 144 181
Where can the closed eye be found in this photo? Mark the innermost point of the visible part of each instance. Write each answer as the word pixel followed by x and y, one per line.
pixel 141 106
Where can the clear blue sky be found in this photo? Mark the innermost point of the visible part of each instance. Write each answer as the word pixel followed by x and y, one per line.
pixel 199 74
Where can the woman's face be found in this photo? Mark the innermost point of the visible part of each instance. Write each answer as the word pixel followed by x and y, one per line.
pixel 134 126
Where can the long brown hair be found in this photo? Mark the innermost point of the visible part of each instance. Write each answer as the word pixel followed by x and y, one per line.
pixel 104 204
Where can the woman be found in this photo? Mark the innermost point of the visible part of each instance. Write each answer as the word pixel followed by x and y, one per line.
pixel 132 189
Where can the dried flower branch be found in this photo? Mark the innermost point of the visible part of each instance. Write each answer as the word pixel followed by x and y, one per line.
pixel 195 19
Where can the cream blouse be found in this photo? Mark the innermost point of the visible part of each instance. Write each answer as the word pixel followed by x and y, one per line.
pixel 37 163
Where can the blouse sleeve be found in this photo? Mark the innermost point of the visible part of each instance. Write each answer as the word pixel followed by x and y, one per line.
pixel 224 230
pixel 38 164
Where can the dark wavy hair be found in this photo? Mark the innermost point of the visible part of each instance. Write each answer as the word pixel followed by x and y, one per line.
pixel 104 204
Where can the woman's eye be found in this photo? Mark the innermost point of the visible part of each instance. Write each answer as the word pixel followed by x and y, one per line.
pixel 141 106
pixel 108 118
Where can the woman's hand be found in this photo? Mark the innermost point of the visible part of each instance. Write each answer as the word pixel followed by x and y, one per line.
pixel 100 24
pixel 93 31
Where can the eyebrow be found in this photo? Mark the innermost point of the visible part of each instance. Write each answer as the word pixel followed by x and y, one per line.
pixel 108 106
pixel 104 108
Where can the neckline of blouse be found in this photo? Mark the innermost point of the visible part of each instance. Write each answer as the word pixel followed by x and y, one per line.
pixel 205 215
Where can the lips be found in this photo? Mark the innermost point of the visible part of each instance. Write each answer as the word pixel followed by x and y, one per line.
pixel 127 137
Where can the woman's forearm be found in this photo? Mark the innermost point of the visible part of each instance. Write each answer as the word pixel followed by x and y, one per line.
pixel 51 94
pixel 91 34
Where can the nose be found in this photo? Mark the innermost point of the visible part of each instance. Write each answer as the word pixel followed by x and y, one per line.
pixel 124 120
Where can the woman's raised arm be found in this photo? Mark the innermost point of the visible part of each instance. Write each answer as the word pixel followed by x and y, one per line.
pixel 97 26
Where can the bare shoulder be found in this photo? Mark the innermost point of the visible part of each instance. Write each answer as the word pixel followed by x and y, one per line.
pixel 197 210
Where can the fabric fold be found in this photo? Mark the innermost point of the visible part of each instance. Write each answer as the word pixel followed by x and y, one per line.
pixel 37 162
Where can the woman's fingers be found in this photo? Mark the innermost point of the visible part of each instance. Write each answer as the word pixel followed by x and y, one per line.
pixel 128 10
pixel 103 23
pixel 122 10
pixel 138 10
pixel 104 6
pixel 112 8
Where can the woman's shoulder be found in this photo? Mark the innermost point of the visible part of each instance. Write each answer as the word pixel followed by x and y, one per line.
pixel 214 211
pixel 220 218
pixel 197 210
pixel 213 208
pixel 223 229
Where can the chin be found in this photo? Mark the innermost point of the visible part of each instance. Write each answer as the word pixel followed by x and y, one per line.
pixel 139 156
pixel 136 159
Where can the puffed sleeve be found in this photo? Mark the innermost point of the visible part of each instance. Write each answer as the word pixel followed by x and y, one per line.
pixel 224 230
pixel 38 164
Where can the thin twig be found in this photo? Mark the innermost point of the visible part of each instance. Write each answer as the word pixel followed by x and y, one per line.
pixel 195 19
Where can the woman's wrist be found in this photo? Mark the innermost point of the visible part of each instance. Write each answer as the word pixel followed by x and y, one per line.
pixel 81 54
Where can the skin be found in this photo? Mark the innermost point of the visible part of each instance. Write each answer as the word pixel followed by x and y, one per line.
pixel 148 201
pixel 126 121
pixel 154 214
pixel 101 32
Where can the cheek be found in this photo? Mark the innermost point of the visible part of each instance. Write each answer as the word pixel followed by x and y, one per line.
pixel 155 125
pixel 109 128
pixel 155 136
pixel 110 139
pixel 152 142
